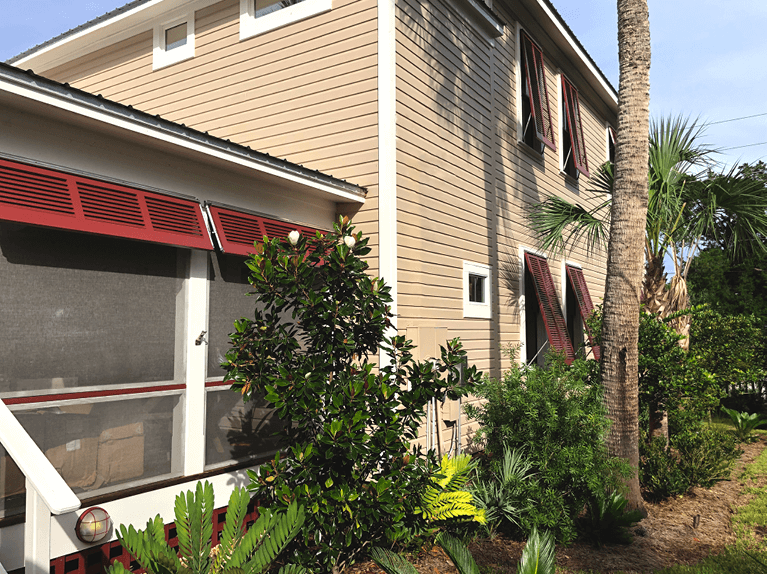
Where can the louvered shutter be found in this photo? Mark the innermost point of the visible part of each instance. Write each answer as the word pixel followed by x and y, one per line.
pixel 41 196
pixel 539 95
pixel 578 282
pixel 551 311
pixel 237 230
pixel 575 126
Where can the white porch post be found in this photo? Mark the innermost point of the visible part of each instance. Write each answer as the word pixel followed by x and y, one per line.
pixel 37 533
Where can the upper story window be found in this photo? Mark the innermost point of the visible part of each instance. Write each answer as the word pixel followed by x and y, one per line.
pixel 574 159
pixel 173 41
pixel 536 126
pixel 259 16
pixel 611 145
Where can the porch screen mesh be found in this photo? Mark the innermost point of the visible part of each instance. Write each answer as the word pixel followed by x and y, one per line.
pixel 86 311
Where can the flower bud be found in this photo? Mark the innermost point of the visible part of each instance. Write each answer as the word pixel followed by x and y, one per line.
pixel 350 241
pixel 293 237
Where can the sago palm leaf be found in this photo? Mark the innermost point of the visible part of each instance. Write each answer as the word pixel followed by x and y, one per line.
pixel 390 562
pixel 538 555
pixel 149 547
pixel 458 553
pixel 194 526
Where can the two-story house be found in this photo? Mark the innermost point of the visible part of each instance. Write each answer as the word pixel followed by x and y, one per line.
pixel 454 115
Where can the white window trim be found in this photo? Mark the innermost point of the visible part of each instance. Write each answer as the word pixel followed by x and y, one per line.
pixel 162 57
pixel 251 26
pixel 520 89
pixel 522 358
pixel 473 309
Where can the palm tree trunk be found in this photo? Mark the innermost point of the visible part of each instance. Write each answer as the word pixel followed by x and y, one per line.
pixel 626 246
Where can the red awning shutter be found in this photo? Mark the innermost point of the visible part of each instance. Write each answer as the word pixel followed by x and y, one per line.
pixel 551 310
pixel 41 196
pixel 237 231
pixel 539 94
pixel 578 282
pixel 575 126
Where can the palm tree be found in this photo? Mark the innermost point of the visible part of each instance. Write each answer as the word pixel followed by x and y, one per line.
pixel 686 205
pixel 620 327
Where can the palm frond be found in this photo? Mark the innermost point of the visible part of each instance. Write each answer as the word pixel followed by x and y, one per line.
pixel 458 553
pixel 557 223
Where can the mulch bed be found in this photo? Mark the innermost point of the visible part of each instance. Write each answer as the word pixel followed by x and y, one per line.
pixel 666 537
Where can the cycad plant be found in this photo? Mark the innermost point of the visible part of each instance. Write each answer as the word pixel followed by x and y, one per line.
pixel 607 519
pixel 239 551
pixel 501 494
pixel 447 498
pixel 538 555
pixel 393 563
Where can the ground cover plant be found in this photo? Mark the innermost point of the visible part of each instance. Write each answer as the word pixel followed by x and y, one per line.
pixel 348 458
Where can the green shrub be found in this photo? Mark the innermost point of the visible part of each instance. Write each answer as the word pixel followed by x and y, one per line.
pixel 733 349
pixel 744 423
pixel 500 491
pixel 699 458
pixel 310 349
pixel 606 520
pixel 248 552
pixel 558 417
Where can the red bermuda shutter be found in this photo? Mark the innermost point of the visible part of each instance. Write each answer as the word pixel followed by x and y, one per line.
pixel 237 231
pixel 578 282
pixel 551 311
pixel 539 95
pixel 575 127
pixel 41 196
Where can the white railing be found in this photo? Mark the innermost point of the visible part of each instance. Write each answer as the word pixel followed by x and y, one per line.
pixel 47 493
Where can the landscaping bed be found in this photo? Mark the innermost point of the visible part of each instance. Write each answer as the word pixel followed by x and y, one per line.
pixel 665 538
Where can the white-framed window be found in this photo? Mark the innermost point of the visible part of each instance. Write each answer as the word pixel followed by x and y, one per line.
pixel 610 144
pixel 477 294
pixel 173 41
pixel 259 16
pixel 573 160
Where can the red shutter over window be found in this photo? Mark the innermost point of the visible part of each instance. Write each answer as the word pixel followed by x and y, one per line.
pixel 551 311
pixel 575 126
pixel 237 230
pixel 578 282
pixel 539 95
pixel 41 196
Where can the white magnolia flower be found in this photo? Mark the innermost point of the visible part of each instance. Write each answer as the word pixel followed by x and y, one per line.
pixel 293 236
pixel 350 241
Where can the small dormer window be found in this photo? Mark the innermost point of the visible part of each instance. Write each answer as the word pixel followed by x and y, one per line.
pixel 173 41
pixel 260 16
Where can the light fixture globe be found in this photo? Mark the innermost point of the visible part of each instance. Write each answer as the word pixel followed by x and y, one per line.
pixel 93 525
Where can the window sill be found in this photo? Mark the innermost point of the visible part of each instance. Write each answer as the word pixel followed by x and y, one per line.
pixel 251 26
pixel 531 153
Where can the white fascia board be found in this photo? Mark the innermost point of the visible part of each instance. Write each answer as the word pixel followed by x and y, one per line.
pixel 608 90
pixel 115 29
pixel 116 120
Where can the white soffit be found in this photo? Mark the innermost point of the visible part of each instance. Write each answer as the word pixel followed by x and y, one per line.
pixel 121 26
pixel 33 90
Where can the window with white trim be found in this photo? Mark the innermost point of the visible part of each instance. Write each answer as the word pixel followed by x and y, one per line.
pixel 173 41
pixel 611 145
pixel 476 290
pixel 536 127
pixel 260 16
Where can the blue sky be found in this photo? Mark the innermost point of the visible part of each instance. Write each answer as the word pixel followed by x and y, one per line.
pixel 709 56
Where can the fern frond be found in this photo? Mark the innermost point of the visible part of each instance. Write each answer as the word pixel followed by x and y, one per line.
pixel 458 553
pixel 455 472
pixel 390 562
pixel 454 505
